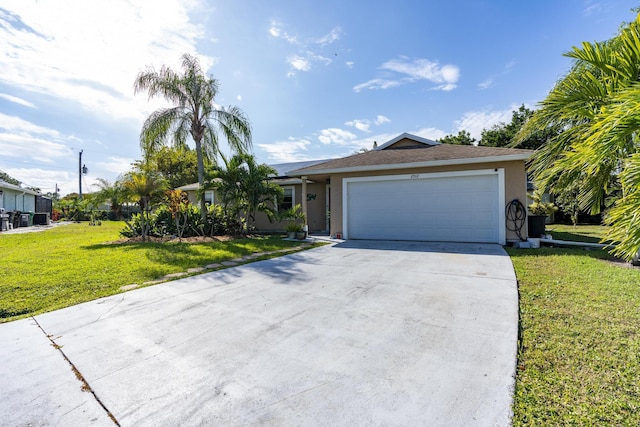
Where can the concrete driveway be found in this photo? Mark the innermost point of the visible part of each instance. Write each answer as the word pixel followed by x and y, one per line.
pixel 357 333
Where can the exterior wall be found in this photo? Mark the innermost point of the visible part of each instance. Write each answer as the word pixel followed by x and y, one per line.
pixel 316 209
pixel 192 195
pixel 13 200
pixel 514 176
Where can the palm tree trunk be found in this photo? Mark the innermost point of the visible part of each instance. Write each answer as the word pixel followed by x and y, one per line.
pixel 203 207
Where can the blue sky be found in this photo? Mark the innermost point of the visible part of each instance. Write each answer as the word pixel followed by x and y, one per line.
pixel 316 79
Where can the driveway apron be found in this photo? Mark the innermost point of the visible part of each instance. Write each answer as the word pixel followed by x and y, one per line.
pixel 354 333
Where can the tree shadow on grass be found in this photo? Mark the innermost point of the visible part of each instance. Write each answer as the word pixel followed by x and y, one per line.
pixel 182 256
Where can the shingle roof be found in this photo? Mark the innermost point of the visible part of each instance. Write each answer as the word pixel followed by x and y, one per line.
pixel 282 169
pixel 416 156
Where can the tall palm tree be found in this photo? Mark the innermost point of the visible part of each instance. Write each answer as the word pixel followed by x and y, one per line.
pixel 194 114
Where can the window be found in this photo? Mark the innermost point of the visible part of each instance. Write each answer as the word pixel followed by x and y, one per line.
pixel 208 198
pixel 287 200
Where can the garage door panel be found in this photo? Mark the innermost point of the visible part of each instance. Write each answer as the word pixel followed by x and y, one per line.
pixel 453 208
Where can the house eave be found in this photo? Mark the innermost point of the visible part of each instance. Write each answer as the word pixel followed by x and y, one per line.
pixel 18 189
pixel 426 164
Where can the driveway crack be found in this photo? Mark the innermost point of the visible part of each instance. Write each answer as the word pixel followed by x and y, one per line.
pixel 85 384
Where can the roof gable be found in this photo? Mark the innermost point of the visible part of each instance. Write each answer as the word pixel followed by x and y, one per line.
pixel 407 140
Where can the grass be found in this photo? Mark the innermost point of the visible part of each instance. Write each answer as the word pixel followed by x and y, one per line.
pixel 71 264
pixel 579 233
pixel 579 360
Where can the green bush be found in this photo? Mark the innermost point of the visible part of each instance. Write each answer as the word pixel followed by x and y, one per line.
pixel 163 223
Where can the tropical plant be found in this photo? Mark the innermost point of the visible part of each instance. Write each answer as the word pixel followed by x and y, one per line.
pixel 294 216
pixel 245 188
pixel 597 105
pixel 115 193
pixel 147 187
pixel 539 206
pixel 194 114
pixel 178 204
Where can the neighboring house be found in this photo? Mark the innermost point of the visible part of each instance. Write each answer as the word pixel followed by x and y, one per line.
pixel 192 194
pixel 409 188
pixel 412 188
pixel 15 200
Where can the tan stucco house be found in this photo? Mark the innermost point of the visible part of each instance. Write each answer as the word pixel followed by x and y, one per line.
pixel 409 188
pixel 412 188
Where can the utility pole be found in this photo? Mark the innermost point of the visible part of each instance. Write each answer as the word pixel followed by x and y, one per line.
pixel 80 173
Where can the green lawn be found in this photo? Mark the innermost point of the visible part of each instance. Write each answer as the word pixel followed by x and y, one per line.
pixel 71 264
pixel 579 361
pixel 579 233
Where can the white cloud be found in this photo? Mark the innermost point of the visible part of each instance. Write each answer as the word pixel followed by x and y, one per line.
pixel 306 50
pixel 16 100
pixel 116 164
pixel 591 8
pixel 90 52
pixel 298 63
pixel 446 76
pixel 46 179
pixel 380 119
pixel 291 150
pixel 423 69
pixel 336 136
pixel 485 84
pixel 376 84
pixel 430 133
pixel 277 32
pixel 20 126
pixel 329 38
pixel 475 121
pixel 491 80
pixel 361 125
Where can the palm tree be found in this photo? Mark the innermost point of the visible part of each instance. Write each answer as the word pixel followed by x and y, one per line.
pixel 576 104
pixel 146 186
pixel 114 193
pixel 245 189
pixel 597 105
pixel 194 113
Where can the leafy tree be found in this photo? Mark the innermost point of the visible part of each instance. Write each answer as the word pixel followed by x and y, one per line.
pixel 8 179
pixel 568 203
pixel 245 188
pixel 115 193
pixel 462 138
pixel 194 114
pixel 178 166
pixel 504 134
pixel 597 105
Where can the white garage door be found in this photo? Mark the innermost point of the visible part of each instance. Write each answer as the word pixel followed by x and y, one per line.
pixel 453 207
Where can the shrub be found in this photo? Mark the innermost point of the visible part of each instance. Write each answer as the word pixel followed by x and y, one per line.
pixel 162 222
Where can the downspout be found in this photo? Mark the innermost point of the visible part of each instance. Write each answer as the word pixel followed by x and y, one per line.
pixel 16 201
pixel 304 205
